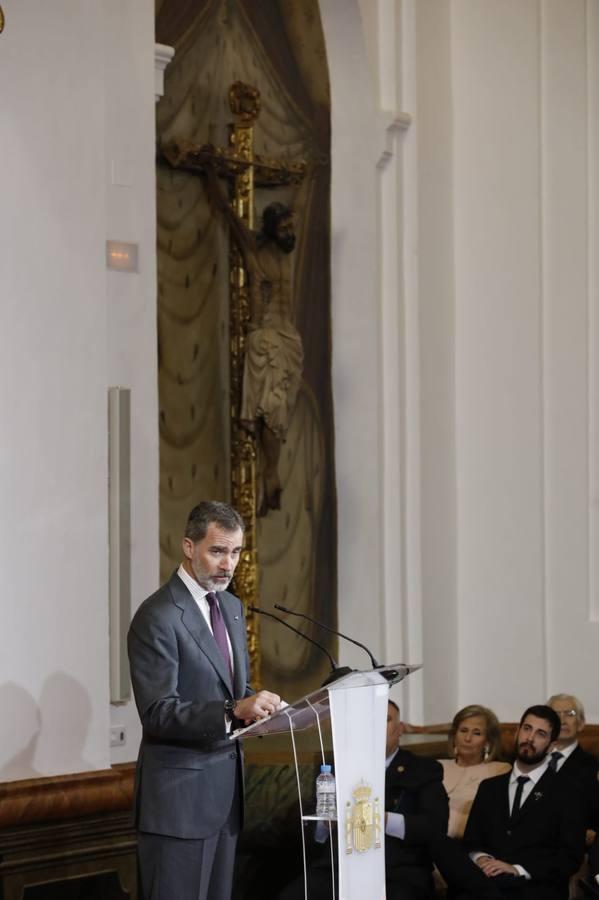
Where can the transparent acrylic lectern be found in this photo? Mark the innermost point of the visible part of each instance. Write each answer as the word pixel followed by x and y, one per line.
pixel 357 706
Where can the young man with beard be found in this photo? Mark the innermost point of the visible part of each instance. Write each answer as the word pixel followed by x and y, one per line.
pixel 525 832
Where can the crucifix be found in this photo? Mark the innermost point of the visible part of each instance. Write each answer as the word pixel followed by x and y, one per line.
pixel 266 354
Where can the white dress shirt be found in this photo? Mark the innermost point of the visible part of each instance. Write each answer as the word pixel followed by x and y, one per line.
pixel 533 777
pixel 199 595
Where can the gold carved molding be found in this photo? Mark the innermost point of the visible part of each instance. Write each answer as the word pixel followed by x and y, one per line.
pixel 244 102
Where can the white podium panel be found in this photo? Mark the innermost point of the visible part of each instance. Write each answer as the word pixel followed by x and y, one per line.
pixel 357 705
pixel 359 726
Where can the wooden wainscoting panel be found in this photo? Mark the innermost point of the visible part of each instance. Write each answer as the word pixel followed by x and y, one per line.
pixel 66 796
pixel 59 830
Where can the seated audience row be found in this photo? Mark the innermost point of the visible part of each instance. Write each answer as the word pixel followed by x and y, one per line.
pixel 475 731
pixel 526 830
pixel 494 831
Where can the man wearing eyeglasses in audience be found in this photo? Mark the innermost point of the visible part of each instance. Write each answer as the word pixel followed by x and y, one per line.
pixel 568 756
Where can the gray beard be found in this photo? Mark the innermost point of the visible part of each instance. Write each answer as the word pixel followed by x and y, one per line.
pixel 213 586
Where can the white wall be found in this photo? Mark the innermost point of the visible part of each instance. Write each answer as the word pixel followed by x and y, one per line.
pixel 464 359
pixel 81 93
pixel 524 248
pixel 494 320
pixel 356 327
pixel 131 299
pixel 433 127
pixel 378 558
pixel 570 342
pixel 498 351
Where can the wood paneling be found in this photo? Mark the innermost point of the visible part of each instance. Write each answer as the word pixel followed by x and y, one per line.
pixel 66 796
pixel 54 830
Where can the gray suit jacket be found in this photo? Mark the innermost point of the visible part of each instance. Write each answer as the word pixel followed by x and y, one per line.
pixel 187 767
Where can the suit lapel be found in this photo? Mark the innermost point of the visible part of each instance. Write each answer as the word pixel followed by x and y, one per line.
pixel 196 625
pixel 572 761
pixel 501 785
pixel 235 625
pixel 395 778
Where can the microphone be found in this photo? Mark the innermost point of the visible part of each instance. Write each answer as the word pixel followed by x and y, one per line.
pixel 337 671
pixel 291 612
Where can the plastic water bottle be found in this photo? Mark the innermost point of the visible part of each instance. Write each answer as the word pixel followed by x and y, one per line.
pixel 326 801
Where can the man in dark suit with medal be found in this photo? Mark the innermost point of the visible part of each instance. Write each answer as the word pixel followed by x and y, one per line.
pixel 417 813
pixel 190 675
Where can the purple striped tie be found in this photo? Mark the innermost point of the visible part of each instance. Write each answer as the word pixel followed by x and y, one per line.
pixel 219 631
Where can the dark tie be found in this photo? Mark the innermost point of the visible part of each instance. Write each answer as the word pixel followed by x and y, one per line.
pixel 219 631
pixel 521 779
pixel 553 762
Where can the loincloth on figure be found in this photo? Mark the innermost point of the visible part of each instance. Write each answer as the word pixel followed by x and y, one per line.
pixel 272 375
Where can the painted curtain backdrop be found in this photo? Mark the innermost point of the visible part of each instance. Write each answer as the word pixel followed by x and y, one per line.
pixel 277 47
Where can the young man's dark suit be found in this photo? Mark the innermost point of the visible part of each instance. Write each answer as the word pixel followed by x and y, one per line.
pixel 546 837
pixel 189 779
pixel 413 787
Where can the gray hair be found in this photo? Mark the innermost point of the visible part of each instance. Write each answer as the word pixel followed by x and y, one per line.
pixel 208 511
pixel 576 704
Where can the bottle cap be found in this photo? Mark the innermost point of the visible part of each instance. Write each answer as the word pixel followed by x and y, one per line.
pixel 325 770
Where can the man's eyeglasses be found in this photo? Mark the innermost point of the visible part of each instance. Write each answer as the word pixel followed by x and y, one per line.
pixel 568 713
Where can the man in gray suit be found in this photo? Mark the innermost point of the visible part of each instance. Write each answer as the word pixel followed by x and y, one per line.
pixel 190 674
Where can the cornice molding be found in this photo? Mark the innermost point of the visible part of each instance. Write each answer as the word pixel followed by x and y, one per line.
pixel 163 55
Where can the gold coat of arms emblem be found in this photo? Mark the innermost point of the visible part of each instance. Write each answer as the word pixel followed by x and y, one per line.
pixel 362 821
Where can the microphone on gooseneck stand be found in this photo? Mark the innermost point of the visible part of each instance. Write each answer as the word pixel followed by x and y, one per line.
pixel 291 612
pixel 337 671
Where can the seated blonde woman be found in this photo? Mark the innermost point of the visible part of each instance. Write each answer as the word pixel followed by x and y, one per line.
pixel 474 746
